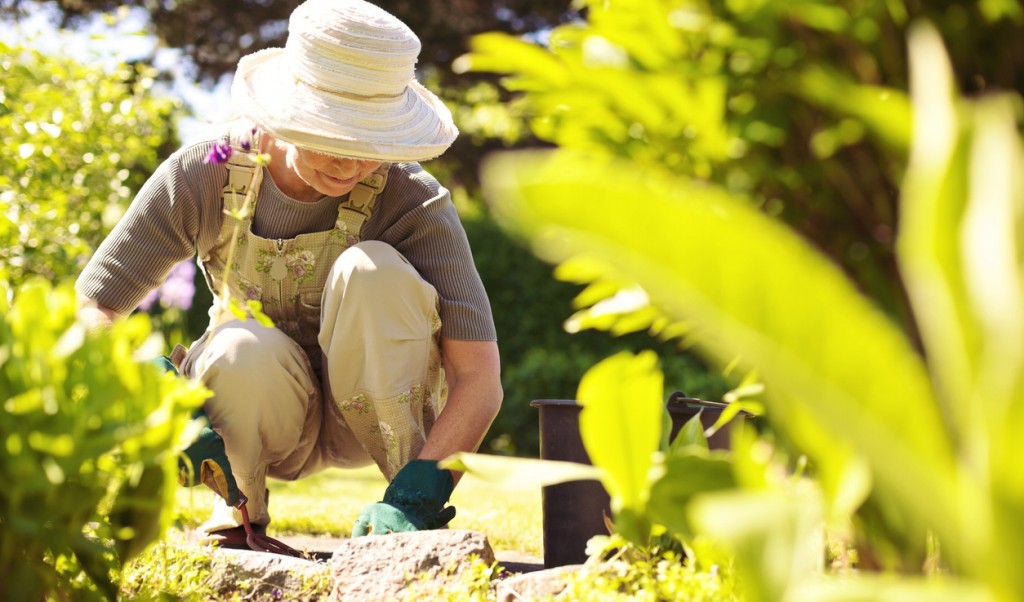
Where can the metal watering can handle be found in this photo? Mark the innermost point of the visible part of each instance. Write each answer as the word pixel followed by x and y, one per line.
pixel 680 398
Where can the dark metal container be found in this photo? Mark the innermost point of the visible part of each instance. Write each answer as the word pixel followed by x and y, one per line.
pixel 574 512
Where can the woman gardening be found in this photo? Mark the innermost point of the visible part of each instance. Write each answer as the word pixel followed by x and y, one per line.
pixel 382 348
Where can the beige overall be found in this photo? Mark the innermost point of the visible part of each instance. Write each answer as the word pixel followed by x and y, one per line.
pixel 350 373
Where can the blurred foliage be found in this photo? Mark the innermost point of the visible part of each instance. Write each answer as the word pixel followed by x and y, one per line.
pixel 797 105
pixel 215 34
pixel 540 359
pixel 931 438
pixel 88 431
pixel 77 143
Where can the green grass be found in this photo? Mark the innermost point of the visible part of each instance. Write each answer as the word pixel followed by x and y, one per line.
pixel 328 503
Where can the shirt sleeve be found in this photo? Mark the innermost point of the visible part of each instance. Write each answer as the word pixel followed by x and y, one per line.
pixel 159 229
pixel 419 220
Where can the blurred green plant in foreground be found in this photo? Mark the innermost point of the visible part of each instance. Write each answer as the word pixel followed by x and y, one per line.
pixel 934 442
pixel 89 433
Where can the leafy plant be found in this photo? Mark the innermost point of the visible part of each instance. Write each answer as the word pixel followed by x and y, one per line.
pixel 933 441
pixel 615 571
pixel 797 106
pixel 77 143
pixel 89 434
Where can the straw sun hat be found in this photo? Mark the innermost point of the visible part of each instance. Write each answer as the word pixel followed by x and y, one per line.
pixel 345 84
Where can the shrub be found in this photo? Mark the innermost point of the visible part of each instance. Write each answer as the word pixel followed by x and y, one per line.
pixel 88 431
pixel 77 143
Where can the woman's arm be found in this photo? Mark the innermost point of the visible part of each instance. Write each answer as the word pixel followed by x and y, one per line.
pixel 473 371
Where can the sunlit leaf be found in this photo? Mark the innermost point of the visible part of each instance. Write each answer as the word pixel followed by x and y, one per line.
pixel 692 433
pixel 775 536
pixel 620 424
pixel 520 472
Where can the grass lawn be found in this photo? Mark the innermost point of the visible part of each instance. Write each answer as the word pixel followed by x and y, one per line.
pixel 328 504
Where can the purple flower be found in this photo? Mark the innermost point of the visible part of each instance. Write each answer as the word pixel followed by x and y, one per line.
pixel 176 291
pixel 179 288
pixel 148 301
pixel 246 145
pixel 220 152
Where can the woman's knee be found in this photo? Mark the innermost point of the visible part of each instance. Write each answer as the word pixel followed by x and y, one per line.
pixel 251 349
pixel 247 365
pixel 370 267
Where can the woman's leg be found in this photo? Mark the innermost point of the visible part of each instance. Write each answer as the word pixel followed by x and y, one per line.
pixel 382 372
pixel 265 404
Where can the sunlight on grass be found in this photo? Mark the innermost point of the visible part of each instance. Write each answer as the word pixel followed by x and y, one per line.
pixel 328 503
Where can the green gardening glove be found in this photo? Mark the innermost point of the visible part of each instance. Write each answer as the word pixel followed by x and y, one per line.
pixel 415 500
pixel 205 461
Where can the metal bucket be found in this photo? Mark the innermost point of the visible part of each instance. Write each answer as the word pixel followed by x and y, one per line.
pixel 574 512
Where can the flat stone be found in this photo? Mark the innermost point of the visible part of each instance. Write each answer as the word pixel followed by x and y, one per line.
pixel 538 585
pixel 265 576
pixel 374 568
pixel 321 547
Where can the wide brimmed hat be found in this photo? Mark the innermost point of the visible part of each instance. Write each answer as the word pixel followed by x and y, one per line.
pixel 345 84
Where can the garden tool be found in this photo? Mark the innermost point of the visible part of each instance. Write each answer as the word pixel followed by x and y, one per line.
pixel 415 500
pixel 205 461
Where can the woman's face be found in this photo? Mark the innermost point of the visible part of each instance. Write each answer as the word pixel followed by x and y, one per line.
pixel 329 175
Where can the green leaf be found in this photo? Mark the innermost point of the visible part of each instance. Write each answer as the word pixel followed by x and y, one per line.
pixel 505 53
pixel 692 434
pixel 934 195
pixel 620 424
pixel 256 309
pixel 519 471
pixel 685 476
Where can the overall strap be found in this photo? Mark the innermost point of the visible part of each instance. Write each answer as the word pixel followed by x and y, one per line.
pixel 243 175
pixel 361 201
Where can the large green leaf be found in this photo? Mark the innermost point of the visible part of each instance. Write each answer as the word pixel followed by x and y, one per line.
pixel 775 536
pixel 519 471
pixel 838 372
pixel 960 250
pixel 620 425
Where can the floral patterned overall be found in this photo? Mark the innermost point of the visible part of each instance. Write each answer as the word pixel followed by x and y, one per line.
pixel 288 277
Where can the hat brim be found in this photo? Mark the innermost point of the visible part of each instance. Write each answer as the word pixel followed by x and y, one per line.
pixel 414 126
